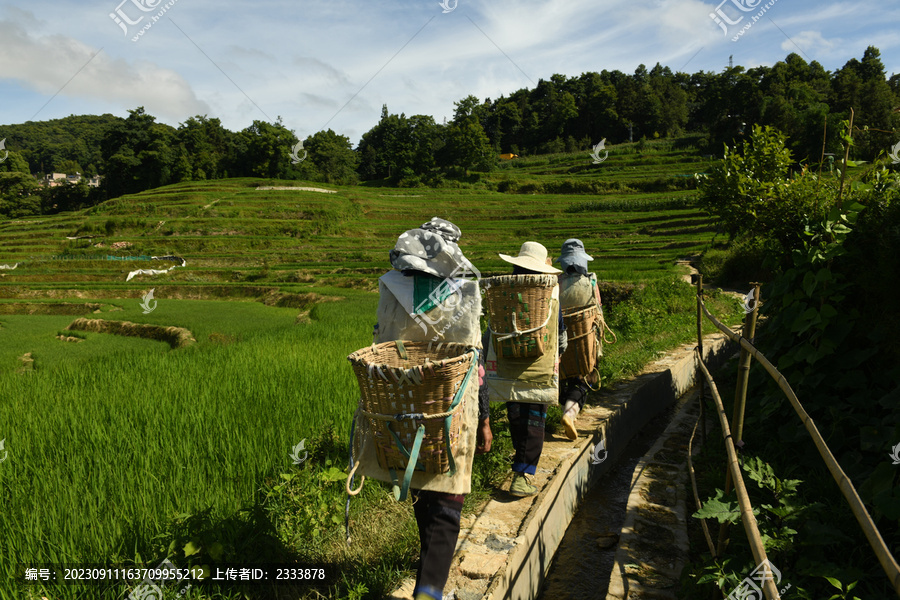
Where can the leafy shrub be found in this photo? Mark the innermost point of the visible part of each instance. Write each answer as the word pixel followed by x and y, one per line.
pixel 742 185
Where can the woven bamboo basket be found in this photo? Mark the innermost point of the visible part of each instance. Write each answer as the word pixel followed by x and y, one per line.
pixel 583 334
pixel 518 309
pixel 407 384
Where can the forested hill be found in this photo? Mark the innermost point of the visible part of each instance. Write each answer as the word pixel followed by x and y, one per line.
pixel 559 114
pixel 61 145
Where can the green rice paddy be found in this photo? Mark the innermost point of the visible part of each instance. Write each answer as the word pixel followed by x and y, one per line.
pixel 121 450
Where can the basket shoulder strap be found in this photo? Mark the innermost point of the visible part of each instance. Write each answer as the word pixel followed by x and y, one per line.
pixel 401 490
pixel 448 420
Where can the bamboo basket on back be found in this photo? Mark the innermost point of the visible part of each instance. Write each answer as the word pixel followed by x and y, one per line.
pixel 583 331
pixel 518 309
pixel 413 390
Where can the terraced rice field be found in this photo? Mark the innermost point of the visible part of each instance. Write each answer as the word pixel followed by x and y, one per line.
pixel 233 234
pixel 122 450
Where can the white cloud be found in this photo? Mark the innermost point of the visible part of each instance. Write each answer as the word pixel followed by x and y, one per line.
pixel 305 61
pixel 48 64
pixel 811 42
pixel 316 69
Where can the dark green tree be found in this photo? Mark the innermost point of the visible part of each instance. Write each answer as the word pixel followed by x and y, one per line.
pixel 332 156
pixel 861 85
pixel 18 194
pixel 138 154
pixel 266 151
pixel 468 147
pixel 205 145
pixel 14 163
pixel 399 146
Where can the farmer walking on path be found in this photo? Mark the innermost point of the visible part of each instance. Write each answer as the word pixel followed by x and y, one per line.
pixel 425 299
pixel 577 291
pixel 524 377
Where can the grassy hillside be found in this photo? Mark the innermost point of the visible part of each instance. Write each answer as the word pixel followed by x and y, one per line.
pixel 233 234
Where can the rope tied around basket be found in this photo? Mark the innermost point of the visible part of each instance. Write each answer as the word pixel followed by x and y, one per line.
pixel 516 332
pixel 605 328
pixel 406 416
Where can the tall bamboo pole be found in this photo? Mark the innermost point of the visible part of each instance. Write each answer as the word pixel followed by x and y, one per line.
pixel 846 158
pixel 750 526
pixel 740 399
pixel 821 161
pixel 699 279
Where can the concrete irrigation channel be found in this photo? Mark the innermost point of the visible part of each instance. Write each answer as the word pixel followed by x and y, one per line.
pixel 629 511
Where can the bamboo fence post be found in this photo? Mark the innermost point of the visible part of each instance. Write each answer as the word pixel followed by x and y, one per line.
pixel 749 521
pixel 737 421
pixel 821 161
pixel 846 158
pixel 740 399
pixel 699 280
pixel 885 558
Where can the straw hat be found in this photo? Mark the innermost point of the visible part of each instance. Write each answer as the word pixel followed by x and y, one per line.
pixel 532 256
pixel 573 254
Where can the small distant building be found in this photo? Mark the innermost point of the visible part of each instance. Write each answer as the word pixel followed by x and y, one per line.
pixel 57 179
pixel 508 156
pixel 54 179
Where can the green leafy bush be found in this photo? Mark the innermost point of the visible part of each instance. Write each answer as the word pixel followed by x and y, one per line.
pixel 743 185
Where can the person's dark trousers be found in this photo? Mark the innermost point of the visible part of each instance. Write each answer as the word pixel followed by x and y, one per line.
pixel 437 516
pixel 574 389
pixel 526 427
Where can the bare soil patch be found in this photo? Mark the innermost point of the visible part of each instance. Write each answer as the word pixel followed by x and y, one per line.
pixel 296 189
pixel 48 308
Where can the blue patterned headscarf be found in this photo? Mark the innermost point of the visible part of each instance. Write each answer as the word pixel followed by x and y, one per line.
pixel 431 249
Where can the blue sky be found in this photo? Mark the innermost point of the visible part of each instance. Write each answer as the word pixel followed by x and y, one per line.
pixel 333 63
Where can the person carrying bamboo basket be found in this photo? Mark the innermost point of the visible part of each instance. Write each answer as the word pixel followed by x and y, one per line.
pixel 582 310
pixel 523 343
pixel 430 299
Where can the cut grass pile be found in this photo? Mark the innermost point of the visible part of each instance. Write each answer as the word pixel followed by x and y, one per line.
pixel 176 337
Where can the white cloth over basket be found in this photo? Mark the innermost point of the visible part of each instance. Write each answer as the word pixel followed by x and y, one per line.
pixel 576 290
pixel 534 380
pixel 456 320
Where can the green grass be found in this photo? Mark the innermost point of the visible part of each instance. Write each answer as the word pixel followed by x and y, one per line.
pixel 122 450
pixel 142 434
pixel 230 232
